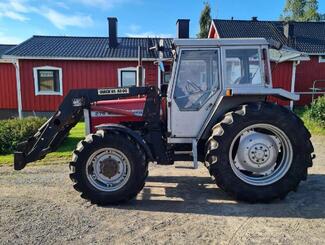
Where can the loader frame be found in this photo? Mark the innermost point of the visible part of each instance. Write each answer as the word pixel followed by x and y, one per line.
pixel 53 132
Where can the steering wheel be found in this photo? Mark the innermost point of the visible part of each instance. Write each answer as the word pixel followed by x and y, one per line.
pixel 202 98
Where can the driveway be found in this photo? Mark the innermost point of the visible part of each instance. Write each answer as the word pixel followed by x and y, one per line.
pixel 178 205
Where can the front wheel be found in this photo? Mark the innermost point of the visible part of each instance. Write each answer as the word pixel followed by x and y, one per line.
pixel 108 168
pixel 259 153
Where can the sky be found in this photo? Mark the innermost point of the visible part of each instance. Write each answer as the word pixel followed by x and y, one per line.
pixel 21 19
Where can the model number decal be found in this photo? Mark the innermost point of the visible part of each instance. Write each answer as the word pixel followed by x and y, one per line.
pixel 107 91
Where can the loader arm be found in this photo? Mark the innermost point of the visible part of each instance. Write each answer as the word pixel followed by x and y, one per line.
pixel 51 134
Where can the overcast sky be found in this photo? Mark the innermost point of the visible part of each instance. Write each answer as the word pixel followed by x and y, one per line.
pixel 21 19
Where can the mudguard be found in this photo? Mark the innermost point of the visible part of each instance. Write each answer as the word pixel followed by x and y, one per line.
pixel 134 135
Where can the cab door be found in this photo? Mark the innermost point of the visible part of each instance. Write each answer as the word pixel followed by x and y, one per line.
pixel 196 86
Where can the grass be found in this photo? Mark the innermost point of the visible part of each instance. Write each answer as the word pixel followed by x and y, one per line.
pixel 314 127
pixel 63 154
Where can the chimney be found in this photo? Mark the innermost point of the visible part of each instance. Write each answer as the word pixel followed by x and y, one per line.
pixel 183 28
pixel 112 32
pixel 289 31
pixel 254 18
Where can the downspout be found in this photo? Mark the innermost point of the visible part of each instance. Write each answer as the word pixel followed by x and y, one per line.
pixel 293 80
pixel 18 84
pixel 159 76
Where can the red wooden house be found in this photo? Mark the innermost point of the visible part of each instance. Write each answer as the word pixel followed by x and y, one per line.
pixel 47 67
pixel 301 61
pixel 8 92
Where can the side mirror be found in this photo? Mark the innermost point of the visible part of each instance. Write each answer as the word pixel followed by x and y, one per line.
pixel 275 44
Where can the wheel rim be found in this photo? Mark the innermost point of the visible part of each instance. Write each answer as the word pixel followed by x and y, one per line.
pixel 260 154
pixel 108 169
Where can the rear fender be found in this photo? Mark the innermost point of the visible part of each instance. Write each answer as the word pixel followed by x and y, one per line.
pixel 226 104
pixel 134 135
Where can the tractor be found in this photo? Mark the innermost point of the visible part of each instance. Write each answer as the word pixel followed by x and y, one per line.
pixel 214 110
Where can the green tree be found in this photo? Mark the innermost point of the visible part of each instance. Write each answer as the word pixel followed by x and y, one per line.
pixel 205 21
pixel 311 11
pixel 294 10
pixel 301 10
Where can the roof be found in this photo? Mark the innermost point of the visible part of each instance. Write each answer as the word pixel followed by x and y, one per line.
pixel 309 37
pixel 87 48
pixel 5 47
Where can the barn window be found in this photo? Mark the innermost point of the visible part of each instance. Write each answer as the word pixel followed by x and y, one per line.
pixel 48 80
pixel 127 77
pixel 322 59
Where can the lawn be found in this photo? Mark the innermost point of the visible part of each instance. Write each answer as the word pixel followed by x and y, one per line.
pixel 314 127
pixel 63 154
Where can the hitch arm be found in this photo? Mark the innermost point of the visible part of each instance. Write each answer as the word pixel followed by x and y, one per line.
pixel 51 134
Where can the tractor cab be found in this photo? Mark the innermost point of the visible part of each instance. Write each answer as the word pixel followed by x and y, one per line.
pixel 204 71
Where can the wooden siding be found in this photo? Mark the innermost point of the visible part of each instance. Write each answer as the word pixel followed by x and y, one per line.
pixel 281 78
pixel 307 73
pixel 8 92
pixel 75 74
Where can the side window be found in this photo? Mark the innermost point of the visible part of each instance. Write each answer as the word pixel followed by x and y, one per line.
pixel 48 80
pixel 243 66
pixel 127 77
pixel 197 79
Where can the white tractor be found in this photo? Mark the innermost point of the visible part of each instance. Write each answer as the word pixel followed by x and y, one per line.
pixel 214 110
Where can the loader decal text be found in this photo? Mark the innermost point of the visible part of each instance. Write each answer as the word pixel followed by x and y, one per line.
pixel 107 91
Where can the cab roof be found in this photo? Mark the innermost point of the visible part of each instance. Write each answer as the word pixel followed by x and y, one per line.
pixel 220 42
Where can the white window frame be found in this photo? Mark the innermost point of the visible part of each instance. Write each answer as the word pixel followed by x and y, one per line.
pixel 321 59
pixel 35 71
pixel 120 70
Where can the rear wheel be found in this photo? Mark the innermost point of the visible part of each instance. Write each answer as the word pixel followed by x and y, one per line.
pixel 108 168
pixel 259 153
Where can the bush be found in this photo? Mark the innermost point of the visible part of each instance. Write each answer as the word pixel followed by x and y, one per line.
pixel 316 112
pixel 14 131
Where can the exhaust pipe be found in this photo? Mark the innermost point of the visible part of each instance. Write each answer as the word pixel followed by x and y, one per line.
pixel 139 69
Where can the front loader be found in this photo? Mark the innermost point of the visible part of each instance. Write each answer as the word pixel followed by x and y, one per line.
pixel 214 110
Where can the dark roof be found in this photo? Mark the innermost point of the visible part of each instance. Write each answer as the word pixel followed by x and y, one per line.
pixel 87 47
pixel 309 37
pixel 4 48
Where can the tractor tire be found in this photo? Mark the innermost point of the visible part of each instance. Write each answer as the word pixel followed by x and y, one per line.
pixel 108 168
pixel 259 152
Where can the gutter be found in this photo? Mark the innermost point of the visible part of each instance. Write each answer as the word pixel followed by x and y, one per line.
pixel 293 80
pixel 18 85
pixel 74 58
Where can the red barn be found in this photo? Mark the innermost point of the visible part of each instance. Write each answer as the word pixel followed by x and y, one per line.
pixel 49 66
pixel 300 64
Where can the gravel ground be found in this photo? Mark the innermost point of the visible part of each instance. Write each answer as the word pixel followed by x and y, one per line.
pixel 178 205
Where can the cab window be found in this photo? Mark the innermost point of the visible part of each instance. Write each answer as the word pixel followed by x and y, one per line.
pixel 243 66
pixel 197 79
